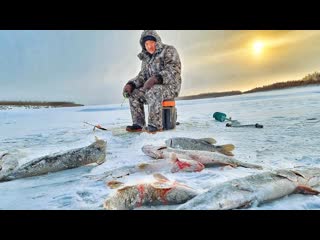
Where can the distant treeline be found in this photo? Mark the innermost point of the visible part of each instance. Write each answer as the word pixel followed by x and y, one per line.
pixel 310 79
pixel 39 104
pixel 209 95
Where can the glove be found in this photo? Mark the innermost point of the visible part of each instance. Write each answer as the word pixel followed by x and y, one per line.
pixel 150 82
pixel 127 90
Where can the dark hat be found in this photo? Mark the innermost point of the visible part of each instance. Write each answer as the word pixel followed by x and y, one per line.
pixel 148 37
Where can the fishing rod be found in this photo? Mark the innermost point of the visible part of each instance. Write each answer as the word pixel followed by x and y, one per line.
pixel 257 125
pixel 124 99
pixel 96 126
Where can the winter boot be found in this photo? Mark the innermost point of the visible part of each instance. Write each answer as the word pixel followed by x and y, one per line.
pixel 152 129
pixel 134 128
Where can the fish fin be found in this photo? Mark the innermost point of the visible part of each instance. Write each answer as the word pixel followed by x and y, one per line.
pixel 226 166
pixel 114 184
pixel 174 157
pixel 124 188
pixel 208 140
pixel 143 166
pixel 227 153
pixel 162 147
pixel 162 185
pixel 306 190
pixel 298 174
pixel 101 143
pixel 246 189
pixel 232 165
pixel 160 177
pixel 246 204
pixel 5 154
pixel 226 149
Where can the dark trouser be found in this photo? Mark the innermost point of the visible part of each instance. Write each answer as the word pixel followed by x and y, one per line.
pixel 154 98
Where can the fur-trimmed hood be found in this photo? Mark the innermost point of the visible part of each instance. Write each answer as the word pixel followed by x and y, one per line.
pixel 159 44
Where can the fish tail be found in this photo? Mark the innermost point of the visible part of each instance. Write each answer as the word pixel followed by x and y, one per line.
pixel 173 157
pixel 307 190
pixel 143 166
pixel 226 149
pixel 114 184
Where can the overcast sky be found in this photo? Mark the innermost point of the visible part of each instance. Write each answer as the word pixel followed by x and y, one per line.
pixel 91 67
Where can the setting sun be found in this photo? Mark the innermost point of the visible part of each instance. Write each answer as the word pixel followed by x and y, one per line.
pixel 258 47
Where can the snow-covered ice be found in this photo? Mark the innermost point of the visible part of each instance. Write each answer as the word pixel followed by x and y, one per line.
pixel 288 139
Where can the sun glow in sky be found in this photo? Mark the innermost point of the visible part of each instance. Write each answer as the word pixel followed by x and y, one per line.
pixel 258 47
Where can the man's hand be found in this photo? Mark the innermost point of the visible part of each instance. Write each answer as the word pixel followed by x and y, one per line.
pixel 127 90
pixel 150 82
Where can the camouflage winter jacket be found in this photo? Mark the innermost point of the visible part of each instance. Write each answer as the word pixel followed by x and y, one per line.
pixel 164 62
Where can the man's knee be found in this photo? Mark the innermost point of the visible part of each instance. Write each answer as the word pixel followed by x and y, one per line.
pixel 136 94
pixel 154 93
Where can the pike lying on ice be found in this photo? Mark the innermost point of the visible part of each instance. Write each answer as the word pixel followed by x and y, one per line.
pixel 256 189
pixel 201 144
pixel 94 153
pixel 173 164
pixel 208 159
pixel 162 191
